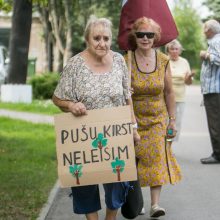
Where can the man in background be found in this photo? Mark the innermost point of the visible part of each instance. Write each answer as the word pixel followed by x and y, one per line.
pixel 210 86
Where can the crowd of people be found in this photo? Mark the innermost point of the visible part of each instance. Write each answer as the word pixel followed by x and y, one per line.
pixel 98 78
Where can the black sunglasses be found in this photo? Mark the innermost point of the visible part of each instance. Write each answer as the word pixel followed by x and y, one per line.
pixel 149 35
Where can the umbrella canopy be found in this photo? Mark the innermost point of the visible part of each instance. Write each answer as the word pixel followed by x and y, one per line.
pixel 158 10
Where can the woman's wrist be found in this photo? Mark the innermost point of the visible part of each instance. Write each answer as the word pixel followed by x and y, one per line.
pixel 172 124
pixel 70 105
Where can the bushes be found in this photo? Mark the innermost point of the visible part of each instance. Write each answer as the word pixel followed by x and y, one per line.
pixel 44 85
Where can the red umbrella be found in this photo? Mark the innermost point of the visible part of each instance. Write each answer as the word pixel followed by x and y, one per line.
pixel 158 10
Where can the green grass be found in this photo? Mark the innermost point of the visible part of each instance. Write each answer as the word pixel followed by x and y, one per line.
pixel 37 106
pixel 27 168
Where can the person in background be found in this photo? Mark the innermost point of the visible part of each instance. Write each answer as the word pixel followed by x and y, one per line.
pixel 181 76
pixel 210 86
pixel 154 107
pixel 96 78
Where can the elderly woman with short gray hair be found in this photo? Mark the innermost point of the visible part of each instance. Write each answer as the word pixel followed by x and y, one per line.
pixel 96 78
pixel 181 76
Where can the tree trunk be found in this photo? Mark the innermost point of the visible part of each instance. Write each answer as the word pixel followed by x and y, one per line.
pixel 48 36
pixel 69 39
pixel 77 178
pixel 118 173
pixel 50 55
pixel 100 145
pixel 19 41
pixel 59 62
pixel 56 26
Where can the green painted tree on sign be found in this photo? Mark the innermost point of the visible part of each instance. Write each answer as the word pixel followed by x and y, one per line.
pixel 100 141
pixel 118 167
pixel 76 171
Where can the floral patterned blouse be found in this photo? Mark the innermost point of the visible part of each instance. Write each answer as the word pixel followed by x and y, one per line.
pixel 79 83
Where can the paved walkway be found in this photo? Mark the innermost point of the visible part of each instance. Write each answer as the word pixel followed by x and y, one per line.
pixel 197 197
pixel 35 118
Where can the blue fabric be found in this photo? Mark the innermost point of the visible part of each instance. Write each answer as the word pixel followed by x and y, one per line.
pixel 115 194
pixel 86 199
pixel 210 72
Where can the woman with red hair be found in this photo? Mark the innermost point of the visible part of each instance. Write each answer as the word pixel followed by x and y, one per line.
pixel 154 107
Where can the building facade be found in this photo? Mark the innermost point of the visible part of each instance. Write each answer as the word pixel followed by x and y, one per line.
pixel 37 44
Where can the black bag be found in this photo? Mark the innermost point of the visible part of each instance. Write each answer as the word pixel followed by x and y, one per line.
pixel 134 201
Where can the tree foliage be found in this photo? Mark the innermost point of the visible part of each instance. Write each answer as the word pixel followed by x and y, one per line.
pixel 63 26
pixel 214 6
pixel 64 22
pixel 83 9
pixel 6 5
pixel 190 31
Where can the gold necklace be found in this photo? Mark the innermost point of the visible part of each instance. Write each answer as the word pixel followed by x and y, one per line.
pixel 146 60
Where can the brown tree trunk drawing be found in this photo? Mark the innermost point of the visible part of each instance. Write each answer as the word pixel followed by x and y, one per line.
pixel 77 177
pixel 100 145
pixel 118 172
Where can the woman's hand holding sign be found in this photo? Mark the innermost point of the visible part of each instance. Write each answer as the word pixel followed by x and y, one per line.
pixel 78 109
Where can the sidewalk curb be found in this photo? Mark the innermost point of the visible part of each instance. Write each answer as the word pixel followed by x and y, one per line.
pixel 46 208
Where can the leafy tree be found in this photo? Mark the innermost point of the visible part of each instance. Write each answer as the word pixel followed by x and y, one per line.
pixel 76 171
pixel 63 26
pixel 190 31
pixel 118 167
pixel 113 10
pixel 84 9
pixel 100 141
pixel 64 23
pixel 5 5
pixel 43 8
pixel 214 6
pixel 57 19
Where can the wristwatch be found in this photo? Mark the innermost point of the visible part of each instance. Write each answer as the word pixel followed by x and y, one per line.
pixel 135 126
pixel 172 118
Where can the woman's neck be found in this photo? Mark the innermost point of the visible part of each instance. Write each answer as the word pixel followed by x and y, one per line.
pixel 174 58
pixel 98 60
pixel 144 53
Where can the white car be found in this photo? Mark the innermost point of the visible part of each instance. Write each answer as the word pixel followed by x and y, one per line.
pixel 3 64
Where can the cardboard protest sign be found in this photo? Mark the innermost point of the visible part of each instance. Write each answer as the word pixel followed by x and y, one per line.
pixel 95 148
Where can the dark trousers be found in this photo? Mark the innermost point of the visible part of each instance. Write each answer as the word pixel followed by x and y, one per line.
pixel 212 107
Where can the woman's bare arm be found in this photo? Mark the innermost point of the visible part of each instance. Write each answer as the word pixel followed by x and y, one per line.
pixel 77 109
pixel 170 98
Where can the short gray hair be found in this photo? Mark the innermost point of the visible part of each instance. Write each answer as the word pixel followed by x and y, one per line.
pixel 213 25
pixel 173 43
pixel 93 21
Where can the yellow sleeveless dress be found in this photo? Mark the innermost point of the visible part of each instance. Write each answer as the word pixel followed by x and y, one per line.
pixel 157 164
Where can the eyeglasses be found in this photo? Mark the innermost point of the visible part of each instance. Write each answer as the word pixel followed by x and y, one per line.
pixel 149 35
